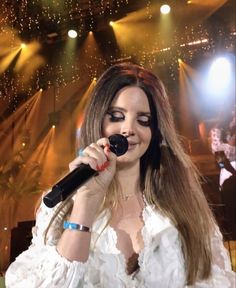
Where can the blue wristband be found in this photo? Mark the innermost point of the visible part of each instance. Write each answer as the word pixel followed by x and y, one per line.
pixel 75 226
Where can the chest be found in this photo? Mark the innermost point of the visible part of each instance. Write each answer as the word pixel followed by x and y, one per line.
pixel 160 256
pixel 129 236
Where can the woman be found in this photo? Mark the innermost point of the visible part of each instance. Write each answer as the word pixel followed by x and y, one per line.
pixel 150 222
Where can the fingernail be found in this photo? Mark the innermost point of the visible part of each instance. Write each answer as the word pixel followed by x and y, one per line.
pixel 98 168
pixel 105 165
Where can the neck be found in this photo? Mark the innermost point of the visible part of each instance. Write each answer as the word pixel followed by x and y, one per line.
pixel 128 177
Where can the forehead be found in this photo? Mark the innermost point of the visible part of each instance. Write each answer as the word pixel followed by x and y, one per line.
pixel 131 97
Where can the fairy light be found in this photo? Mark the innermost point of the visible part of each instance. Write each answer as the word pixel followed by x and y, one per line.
pixel 192 41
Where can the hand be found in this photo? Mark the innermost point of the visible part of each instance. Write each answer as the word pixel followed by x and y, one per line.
pixel 102 160
pixel 229 167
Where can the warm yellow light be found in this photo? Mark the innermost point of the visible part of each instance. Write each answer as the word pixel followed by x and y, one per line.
pixel 180 61
pixel 53 126
pixel 111 23
pixel 90 32
pixel 165 9
pixel 23 144
pixel 94 79
pixel 23 45
pixel 72 33
pixel 41 89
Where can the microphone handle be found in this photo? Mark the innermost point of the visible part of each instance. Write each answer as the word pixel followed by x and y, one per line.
pixel 62 189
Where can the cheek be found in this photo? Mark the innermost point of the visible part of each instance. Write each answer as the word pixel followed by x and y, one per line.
pixel 108 129
pixel 147 135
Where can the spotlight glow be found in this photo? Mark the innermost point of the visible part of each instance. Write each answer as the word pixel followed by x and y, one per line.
pixel 23 45
pixel 218 81
pixel 165 9
pixel 219 74
pixel 72 33
pixel 111 23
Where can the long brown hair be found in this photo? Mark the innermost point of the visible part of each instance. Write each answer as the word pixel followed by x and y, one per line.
pixel 169 179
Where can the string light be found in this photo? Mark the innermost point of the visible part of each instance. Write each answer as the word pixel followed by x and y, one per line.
pixel 60 73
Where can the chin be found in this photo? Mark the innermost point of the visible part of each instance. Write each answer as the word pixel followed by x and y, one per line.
pixel 125 160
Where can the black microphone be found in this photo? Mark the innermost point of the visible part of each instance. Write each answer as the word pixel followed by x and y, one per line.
pixel 66 186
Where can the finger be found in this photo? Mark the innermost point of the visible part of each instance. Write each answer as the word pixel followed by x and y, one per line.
pixel 102 142
pixel 111 157
pixel 100 150
pixel 92 162
pixel 97 153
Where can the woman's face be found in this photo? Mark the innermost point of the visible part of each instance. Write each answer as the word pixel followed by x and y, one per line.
pixel 130 116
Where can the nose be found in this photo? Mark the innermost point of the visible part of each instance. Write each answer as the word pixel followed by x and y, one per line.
pixel 128 128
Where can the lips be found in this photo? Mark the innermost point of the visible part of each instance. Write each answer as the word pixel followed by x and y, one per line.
pixel 132 145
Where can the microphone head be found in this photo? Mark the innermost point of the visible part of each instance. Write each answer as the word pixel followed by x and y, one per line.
pixel 118 144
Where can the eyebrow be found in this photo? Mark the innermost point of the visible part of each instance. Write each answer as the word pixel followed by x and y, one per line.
pixel 124 110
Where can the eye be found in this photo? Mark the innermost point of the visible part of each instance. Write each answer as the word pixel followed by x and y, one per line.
pixel 116 116
pixel 144 120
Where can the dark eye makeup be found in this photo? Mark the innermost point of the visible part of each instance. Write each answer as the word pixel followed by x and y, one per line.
pixel 144 120
pixel 117 116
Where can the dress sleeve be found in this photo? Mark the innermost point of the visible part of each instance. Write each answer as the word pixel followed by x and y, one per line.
pixel 222 274
pixel 41 265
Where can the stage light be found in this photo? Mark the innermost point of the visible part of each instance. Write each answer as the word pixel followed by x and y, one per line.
pixel 72 33
pixel 54 118
pixel 25 138
pixel 219 79
pixel 179 61
pixel 165 9
pixel 53 126
pixel 111 23
pixel 219 74
pixel 23 45
pixel 41 89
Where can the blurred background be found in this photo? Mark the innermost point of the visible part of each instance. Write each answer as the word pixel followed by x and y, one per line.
pixel 52 52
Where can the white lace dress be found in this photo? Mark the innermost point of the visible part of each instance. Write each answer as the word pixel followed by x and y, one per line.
pixel 161 260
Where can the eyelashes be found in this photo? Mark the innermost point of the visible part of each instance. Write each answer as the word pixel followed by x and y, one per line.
pixel 146 123
pixel 118 116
